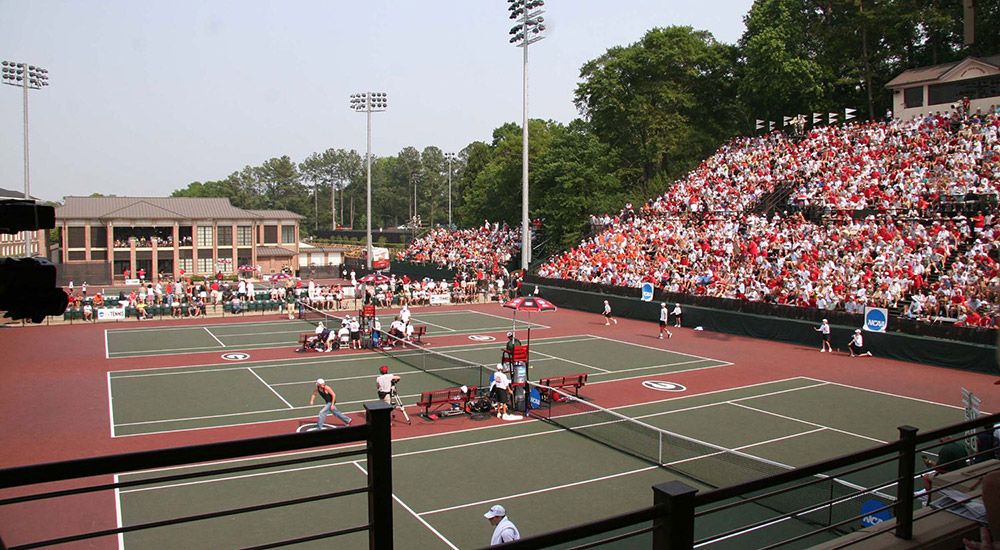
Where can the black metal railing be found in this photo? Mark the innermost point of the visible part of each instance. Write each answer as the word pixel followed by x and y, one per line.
pixel 19 482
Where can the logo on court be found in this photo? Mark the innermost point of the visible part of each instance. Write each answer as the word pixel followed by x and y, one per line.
pixel 236 356
pixel 659 385
pixel 481 338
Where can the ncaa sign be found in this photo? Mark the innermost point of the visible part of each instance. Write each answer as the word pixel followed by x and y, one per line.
pixel 647 292
pixel 876 319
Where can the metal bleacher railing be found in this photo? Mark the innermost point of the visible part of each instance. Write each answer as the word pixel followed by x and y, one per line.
pixel 18 484
pixel 680 513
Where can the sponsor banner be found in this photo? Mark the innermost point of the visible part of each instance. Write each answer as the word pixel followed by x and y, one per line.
pixel 876 319
pixel 440 299
pixel 647 292
pixel 133 282
pixel 348 292
pixel 111 314
pixel 874 512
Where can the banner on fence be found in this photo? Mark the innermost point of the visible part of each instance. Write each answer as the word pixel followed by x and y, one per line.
pixel 876 319
pixel 111 314
pixel 440 299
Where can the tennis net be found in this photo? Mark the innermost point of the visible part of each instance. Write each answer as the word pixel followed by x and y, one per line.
pixel 454 370
pixel 821 500
pixel 316 317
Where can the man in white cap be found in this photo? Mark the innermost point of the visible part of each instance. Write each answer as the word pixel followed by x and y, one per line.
pixel 500 390
pixel 503 529
pixel 607 314
pixel 824 333
pixel 857 345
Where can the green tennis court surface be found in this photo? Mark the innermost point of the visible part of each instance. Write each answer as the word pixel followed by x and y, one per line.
pixel 181 398
pixel 546 477
pixel 133 342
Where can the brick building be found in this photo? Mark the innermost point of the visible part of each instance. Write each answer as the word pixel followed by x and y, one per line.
pixel 13 245
pixel 102 237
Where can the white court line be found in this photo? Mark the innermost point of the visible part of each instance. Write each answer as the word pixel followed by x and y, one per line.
pixel 563 359
pixel 917 399
pixel 196 327
pixel 416 515
pixel 652 348
pixel 822 426
pixel 118 515
pixel 275 392
pixel 107 354
pixel 511 319
pixel 419 320
pixel 111 407
pixel 214 337
pixel 252 334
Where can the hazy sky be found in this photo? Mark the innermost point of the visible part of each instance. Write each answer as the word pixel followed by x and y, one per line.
pixel 146 97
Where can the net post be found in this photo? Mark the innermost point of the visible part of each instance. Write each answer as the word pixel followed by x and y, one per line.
pixel 378 416
pixel 904 502
pixel 673 526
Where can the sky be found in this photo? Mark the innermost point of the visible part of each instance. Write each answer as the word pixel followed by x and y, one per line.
pixel 147 97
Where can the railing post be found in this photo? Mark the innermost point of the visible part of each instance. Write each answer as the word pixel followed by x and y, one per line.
pixel 378 416
pixel 674 528
pixel 904 497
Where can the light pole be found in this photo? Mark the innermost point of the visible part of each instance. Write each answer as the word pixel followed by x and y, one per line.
pixel 26 77
pixel 450 157
pixel 369 102
pixel 527 31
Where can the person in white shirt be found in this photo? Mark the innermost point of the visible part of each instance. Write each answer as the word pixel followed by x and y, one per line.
pixel 607 314
pixel 824 332
pixel 344 335
pixel 664 316
pixel 397 329
pixel 677 315
pixel 503 529
pixel 355 327
pixel 404 314
pixel 384 382
pixel 857 345
pixel 500 390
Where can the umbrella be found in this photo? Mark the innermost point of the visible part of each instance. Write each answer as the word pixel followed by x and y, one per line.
pixel 529 304
pixel 376 278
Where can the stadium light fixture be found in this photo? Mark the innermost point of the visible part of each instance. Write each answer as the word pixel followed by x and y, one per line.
pixel 450 157
pixel 369 102
pixel 527 30
pixel 27 77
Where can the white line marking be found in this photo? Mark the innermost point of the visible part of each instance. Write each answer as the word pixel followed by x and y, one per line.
pixel 539 491
pixel 801 421
pixel 107 354
pixel 442 327
pixel 118 515
pixel 111 407
pixel 563 359
pixel 917 399
pixel 650 347
pixel 275 392
pixel 214 337
pixel 416 515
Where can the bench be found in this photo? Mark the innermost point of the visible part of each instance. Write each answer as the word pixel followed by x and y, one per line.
pixel 418 332
pixel 435 400
pixel 574 381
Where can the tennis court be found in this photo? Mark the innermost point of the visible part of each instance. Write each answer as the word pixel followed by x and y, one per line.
pixel 147 400
pixel 546 477
pixel 138 342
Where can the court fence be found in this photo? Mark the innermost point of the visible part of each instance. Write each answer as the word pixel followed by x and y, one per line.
pixel 21 487
pixel 744 515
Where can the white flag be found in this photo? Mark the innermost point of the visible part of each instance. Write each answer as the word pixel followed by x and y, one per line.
pixel 770 126
pixel 833 117
pixel 817 118
pixel 786 120
pixel 849 113
pixel 760 124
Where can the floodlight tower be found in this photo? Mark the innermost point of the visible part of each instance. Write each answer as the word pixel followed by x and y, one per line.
pixel 27 77
pixel 527 31
pixel 369 102
pixel 450 157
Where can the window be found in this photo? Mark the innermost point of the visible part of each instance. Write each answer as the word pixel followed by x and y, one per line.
pixel 973 88
pixel 76 238
pixel 98 236
pixel 913 97
pixel 288 234
pixel 270 234
pixel 244 235
pixel 205 264
pixel 205 236
pixel 225 235
pixel 185 264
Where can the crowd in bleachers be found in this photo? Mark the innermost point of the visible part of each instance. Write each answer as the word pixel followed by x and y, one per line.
pixel 487 247
pixel 887 225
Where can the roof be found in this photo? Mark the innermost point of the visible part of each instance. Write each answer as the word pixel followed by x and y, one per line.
pixel 160 208
pixel 934 72
pixel 274 252
pixel 276 214
pixel 306 247
pixel 8 194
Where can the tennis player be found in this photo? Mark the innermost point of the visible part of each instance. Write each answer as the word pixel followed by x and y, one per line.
pixel 824 333
pixel 607 314
pixel 500 390
pixel 664 317
pixel 330 397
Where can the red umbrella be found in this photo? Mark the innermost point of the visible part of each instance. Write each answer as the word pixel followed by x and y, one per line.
pixel 376 278
pixel 530 303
